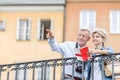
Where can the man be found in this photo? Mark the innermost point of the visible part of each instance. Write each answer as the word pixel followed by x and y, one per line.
pixel 68 49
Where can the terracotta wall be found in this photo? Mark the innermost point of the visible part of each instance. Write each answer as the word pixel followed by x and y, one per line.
pixel 102 9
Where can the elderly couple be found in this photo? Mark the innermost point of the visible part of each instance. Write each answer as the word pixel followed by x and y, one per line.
pixel 67 48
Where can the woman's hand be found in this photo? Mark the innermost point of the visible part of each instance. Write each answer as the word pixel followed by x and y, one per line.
pixel 92 51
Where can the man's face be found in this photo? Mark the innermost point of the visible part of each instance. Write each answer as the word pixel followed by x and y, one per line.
pixel 83 37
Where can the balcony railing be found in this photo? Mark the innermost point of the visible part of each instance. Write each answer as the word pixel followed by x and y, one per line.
pixel 53 69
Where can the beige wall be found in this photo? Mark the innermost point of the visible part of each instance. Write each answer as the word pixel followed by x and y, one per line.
pixel 102 19
pixel 13 51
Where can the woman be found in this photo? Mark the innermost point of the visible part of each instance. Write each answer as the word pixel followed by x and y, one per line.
pixel 99 37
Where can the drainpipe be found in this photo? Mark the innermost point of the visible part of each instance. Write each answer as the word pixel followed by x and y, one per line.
pixel 64 29
pixel 64 22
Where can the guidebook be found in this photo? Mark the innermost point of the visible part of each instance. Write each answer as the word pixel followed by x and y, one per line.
pixel 83 53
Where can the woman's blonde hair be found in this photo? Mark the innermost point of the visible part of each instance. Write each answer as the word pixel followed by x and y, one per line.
pixel 102 32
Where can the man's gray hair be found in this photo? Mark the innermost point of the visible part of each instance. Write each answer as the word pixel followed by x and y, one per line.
pixel 86 29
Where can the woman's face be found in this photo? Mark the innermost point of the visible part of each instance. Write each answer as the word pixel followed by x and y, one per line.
pixel 97 39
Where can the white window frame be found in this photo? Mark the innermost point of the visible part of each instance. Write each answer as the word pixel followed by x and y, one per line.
pixel 2 25
pixel 115 21
pixel 26 28
pixel 39 28
pixel 87 19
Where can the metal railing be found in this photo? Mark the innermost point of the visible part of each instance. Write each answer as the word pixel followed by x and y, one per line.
pixel 104 60
pixel 53 69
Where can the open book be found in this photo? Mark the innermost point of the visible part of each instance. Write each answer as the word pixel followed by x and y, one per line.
pixel 83 53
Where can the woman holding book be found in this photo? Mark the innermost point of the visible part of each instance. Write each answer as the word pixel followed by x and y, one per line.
pixel 99 37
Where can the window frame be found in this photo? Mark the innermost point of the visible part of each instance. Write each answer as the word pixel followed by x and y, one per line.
pixel 117 21
pixel 39 27
pixel 81 18
pixel 27 29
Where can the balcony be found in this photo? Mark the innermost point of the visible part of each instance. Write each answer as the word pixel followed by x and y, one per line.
pixel 54 69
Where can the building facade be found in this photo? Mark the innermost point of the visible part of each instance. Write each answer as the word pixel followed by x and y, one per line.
pixel 23 24
pixel 22 29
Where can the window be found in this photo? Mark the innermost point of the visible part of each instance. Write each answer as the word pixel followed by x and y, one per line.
pixel 2 25
pixel 88 19
pixel 23 29
pixel 44 24
pixel 115 21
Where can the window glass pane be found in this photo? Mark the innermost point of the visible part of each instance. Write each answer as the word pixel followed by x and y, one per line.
pixel 83 20
pixel 114 25
pixel 45 24
pixel 115 22
pixel 88 19
pixel 119 21
pixel 23 29
pixel 2 25
pixel 92 20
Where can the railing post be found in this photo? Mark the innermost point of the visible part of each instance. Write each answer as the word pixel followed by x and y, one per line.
pixel 8 72
pixel 83 63
pixel 73 67
pixel 45 70
pixel 25 66
pixel 0 71
pixel 102 63
pixel 16 73
pixel 63 68
pixel 92 67
pixel 54 68
pixel 42 67
pixel 113 76
pixel 33 74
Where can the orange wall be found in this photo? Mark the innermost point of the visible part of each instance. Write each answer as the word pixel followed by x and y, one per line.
pixel 102 19
pixel 13 51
